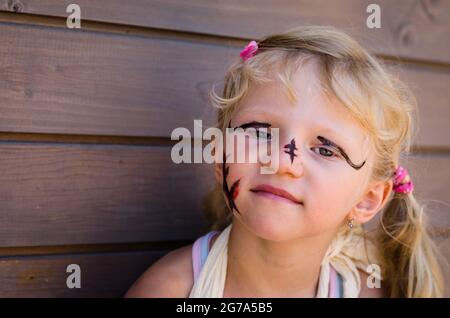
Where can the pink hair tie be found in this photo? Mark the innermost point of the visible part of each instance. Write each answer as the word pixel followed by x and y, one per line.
pixel 402 181
pixel 249 50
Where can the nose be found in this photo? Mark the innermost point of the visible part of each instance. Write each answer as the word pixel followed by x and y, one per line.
pixel 290 160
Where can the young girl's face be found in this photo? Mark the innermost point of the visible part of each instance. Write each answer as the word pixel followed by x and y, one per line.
pixel 326 180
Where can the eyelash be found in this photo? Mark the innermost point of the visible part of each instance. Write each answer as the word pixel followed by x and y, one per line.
pixel 334 154
pixel 268 134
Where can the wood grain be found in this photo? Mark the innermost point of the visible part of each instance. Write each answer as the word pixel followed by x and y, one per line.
pixel 57 81
pixel 102 275
pixel 56 194
pixel 412 29
pixel 101 84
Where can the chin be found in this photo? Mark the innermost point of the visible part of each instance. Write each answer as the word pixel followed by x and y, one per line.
pixel 271 228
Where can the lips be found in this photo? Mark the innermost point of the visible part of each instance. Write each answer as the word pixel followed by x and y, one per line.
pixel 276 191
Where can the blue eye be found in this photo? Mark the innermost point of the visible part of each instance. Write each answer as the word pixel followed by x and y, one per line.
pixel 325 152
pixel 260 134
pixel 265 135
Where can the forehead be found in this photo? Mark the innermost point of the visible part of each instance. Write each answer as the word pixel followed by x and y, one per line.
pixel 311 108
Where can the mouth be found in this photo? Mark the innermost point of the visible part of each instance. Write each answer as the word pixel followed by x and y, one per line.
pixel 275 193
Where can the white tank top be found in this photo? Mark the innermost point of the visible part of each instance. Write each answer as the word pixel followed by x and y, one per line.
pixel 347 252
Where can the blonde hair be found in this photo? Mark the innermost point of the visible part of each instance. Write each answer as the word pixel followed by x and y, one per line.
pixel 382 105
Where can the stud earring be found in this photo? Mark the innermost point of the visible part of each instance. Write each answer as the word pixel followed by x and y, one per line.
pixel 350 223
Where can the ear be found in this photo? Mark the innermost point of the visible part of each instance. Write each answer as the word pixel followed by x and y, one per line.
pixel 373 201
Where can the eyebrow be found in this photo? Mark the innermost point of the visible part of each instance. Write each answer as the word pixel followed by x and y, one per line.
pixel 326 128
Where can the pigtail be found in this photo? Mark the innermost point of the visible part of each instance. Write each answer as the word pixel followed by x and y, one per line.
pixel 408 251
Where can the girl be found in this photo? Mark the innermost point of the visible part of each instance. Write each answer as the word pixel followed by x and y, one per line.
pixel 344 123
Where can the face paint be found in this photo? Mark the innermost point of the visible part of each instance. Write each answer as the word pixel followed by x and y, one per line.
pixel 230 194
pixel 327 142
pixel 235 189
pixel 233 193
pixel 291 150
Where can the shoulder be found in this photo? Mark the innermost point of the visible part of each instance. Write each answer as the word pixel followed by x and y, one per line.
pixel 170 276
pixel 366 291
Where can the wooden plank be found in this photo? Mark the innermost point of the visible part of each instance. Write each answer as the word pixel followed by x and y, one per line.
pixel 102 274
pixel 58 81
pixel 69 85
pixel 411 29
pixel 431 183
pixel 431 90
pixel 431 178
pixel 56 194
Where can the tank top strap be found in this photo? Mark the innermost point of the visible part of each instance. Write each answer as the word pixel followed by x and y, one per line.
pixel 200 252
pixel 336 289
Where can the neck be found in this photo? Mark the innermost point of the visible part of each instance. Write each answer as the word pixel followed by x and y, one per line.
pixel 262 268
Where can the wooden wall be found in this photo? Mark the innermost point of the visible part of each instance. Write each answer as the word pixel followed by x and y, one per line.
pixel 86 117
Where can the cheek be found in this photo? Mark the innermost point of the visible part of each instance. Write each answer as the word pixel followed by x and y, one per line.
pixel 236 171
pixel 331 199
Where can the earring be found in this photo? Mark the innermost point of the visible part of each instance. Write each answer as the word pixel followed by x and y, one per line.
pixel 350 223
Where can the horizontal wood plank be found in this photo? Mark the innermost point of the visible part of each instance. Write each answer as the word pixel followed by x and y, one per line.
pixel 102 274
pixel 410 29
pixel 431 178
pixel 58 81
pixel 430 87
pixel 90 83
pixel 56 194
pixel 431 182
